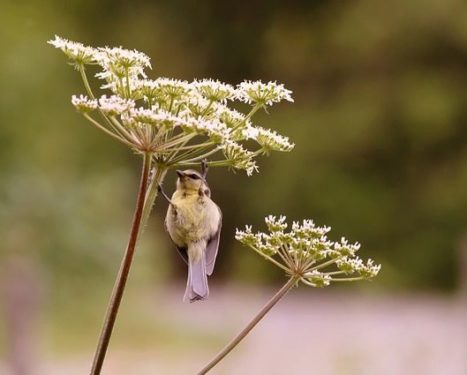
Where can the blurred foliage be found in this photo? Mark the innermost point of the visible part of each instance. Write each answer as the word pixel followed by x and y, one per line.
pixel 379 122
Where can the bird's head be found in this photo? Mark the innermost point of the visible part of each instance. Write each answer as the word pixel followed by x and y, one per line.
pixel 190 180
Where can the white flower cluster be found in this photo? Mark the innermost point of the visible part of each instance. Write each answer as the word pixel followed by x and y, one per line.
pixel 214 90
pixel 263 93
pixel 239 157
pixel 268 139
pixel 160 118
pixel 168 116
pixel 77 52
pixel 306 253
pixel 115 105
pixel 119 61
pixel 83 103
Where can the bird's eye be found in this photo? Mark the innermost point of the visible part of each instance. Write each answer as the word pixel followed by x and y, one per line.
pixel 194 176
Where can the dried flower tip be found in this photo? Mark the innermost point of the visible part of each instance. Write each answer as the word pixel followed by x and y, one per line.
pixel 262 94
pixel 83 103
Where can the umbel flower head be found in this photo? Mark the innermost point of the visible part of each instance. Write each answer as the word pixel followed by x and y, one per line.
pixel 178 122
pixel 304 252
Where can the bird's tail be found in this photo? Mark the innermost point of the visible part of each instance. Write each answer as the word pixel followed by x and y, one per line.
pixel 197 287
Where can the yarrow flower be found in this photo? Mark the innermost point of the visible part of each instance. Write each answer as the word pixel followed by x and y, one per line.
pixel 115 105
pixel 77 52
pixel 232 118
pixel 268 139
pixel 214 90
pixel 173 88
pixel 83 103
pixel 238 157
pixel 119 60
pixel 155 117
pixel 305 252
pixel 263 93
pixel 217 132
pixel 179 122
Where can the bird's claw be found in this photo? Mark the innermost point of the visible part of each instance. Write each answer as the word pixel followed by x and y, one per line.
pixel 204 167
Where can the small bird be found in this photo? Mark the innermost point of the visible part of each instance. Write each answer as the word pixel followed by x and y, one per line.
pixel 194 222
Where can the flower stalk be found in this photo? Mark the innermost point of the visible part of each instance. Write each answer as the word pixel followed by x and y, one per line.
pixel 159 172
pixel 300 252
pixel 245 331
pixel 120 282
pixel 172 123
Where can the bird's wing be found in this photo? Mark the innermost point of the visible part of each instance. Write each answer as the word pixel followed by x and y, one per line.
pixel 183 253
pixel 212 247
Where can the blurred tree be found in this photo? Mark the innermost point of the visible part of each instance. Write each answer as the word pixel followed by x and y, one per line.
pixel 379 118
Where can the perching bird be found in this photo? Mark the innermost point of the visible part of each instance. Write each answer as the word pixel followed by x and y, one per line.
pixel 194 223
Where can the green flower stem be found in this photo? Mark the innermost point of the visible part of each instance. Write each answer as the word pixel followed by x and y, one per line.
pixel 178 139
pixel 171 103
pixel 325 264
pixel 127 83
pixel 200 157
pixel 151 195
pixel 271 259
pixel 174 153
pixel 207 108
pixel 120 129
pixel 276 298
pixel 216 163
pixel 85 81
pixel 84 77
pixel 334 273
pixel 306 282
pixel 197 146
pixel 284 256
pixel 177 157
pixel 252 112
pixel 348 278
pixel 105 130
pixel 122 276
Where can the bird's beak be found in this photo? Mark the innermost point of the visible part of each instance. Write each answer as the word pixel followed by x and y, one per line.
pixel 180 173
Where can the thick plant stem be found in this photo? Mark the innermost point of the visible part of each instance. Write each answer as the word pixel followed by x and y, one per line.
pixel 151 194
pixel 122 276
pixel 281 293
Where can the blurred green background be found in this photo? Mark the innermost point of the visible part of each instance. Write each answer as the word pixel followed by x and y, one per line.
pixel 379 122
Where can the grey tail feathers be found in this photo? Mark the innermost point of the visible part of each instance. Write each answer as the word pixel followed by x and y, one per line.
pixel 197 288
